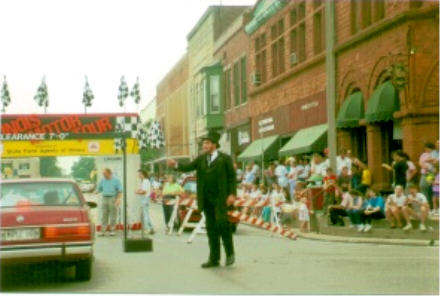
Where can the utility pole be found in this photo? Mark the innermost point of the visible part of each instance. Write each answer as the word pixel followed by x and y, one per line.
pixel 330 70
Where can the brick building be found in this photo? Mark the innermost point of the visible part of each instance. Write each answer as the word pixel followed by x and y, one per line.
pixel 388 51
pixel 287 71
pixel 386 78
pixel 231 50
pixel 205 72
pixel 171 104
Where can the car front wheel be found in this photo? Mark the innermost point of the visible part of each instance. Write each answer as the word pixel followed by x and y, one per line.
pixel 84 270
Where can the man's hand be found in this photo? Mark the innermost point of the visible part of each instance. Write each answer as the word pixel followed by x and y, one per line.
pixel 230 200
pixel 171 163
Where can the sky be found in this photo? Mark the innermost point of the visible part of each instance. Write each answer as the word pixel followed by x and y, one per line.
pixel 103 39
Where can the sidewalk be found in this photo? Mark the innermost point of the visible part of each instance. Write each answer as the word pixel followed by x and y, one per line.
pixel 365 240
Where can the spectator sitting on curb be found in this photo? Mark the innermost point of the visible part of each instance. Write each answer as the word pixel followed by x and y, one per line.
pixel 338 211
pixel 354 210
pixel 418 208
pixel 395 205
pixel 374 209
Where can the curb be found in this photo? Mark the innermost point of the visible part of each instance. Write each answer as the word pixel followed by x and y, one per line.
pixel 345 239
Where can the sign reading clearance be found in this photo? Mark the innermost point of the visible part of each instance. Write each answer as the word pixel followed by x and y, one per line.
pixel 58 127
pixel 63 134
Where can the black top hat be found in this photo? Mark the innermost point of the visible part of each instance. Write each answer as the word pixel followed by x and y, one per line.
pixel 213 137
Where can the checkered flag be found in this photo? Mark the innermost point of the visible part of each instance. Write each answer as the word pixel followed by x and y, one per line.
pixel 128 124
pixel 87 95
pixel 118 141
pixel 155 136
pixel 5 97
pixel 123 92
pixel 142 137
pixel 42 95
pixel 135 92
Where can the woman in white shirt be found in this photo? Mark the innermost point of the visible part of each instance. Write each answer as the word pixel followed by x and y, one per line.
pixel 144 192
pixel 395 205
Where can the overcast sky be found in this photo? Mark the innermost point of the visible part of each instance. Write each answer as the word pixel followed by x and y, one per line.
pixel 104 39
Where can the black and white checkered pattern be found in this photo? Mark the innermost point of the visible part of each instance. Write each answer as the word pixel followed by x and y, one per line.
pixel 135 92
pixel 87 94
pixel 123 92
pixel 155 136
pixel 42 95
pixel 5 97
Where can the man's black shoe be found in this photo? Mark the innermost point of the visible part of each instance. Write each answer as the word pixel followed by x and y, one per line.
pixel 210 264
pixel 230 260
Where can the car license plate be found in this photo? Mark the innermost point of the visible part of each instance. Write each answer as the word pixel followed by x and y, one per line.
pixel 21 234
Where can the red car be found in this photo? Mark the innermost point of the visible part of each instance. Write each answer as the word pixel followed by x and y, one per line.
pixel 46 220
pixel 189 184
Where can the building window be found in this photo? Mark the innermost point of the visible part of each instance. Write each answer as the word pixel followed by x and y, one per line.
pixel 415 3
pixel 302 11
pixel 366 13
pixel 260 57
pixel 227 83
pixel 297 34
pixel 379 10
pixel 302 42
pixel 236 84
pixel 355 16
pixel 214 89
pixel 278 51
pixel 243 80
pixel 319 31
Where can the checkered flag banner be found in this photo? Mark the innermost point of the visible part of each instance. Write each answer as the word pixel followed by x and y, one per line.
pixel 4 96
pixel 87 94
pixel 155 136
pixel 142 137
pixel 135 92
pixel 118 141
pixel 123 92
pixel 42 95
pixel 126 124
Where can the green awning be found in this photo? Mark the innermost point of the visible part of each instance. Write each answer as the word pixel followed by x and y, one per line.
pixel 383 103
pixel 311 139
pixel 269 146
pixel 352 110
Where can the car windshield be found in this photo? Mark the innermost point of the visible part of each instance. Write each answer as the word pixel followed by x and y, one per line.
pixel 38 194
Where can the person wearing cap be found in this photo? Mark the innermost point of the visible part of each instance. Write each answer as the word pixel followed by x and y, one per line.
pixel 216 190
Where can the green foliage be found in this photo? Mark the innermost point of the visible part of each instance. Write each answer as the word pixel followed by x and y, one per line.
pixel 81 169
pixel 49 168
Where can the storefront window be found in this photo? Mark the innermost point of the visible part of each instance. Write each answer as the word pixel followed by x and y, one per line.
pixel 214 87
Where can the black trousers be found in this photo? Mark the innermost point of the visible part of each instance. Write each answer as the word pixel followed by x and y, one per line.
pixel 336 216
pixel 366 219
pixel 217 226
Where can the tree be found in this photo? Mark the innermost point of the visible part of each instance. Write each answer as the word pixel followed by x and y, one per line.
pixel 82 168
pixel 49 168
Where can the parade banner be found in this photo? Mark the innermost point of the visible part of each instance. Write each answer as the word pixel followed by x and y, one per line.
pixel 34 127
pixel 20 149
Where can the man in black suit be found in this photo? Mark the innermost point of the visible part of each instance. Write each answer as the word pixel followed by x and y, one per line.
pixel 216 189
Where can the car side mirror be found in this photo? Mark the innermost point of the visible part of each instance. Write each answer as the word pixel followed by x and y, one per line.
pixel 92 204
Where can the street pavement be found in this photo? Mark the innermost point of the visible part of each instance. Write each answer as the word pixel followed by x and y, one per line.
pixel 265 263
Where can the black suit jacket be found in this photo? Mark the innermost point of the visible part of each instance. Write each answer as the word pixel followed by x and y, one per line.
pixel 224 169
